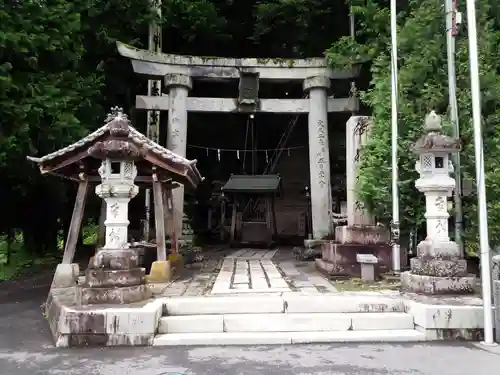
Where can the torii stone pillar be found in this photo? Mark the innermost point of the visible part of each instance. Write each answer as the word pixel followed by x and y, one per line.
pixel 319 156
pixel 178 86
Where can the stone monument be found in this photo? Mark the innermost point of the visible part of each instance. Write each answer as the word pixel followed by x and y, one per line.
pixel 438 267
pixel 361 235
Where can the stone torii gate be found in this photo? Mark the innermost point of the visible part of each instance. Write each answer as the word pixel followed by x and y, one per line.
pixel 179 71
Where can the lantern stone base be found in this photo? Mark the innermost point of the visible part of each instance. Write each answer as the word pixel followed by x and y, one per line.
pixel 425 284
pixel 113 277
pixel 102 278
pixel 112 295
pixel 443 250
pixel 438 269
pixel 116 259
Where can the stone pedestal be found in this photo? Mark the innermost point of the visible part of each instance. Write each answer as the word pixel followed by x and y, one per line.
pixel 178 86
pixel 319 156
pixel 339 256
pixel 113 277
pixel 362 234
pixel 438 269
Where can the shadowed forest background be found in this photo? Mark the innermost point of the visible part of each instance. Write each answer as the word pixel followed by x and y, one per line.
pixel 60 74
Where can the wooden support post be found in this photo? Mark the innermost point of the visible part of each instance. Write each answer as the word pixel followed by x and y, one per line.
pixel 275 227
pixel 101 239
pixel 159 219
pixel 268 214
pixel 209 219
pixel 171 223
pixel 233 220
pixel 76 222
pixel 166 217
pixel 222 219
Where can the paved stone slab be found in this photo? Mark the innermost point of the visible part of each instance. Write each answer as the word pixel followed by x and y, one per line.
pixel 252 254
pixel 191 324
pixel 297 303
pixel 249 275
pixel 224 305
pixel 280 338
pixel 286 322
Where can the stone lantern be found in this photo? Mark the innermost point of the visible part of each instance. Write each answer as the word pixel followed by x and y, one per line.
pixel 438 267
pixel 117 188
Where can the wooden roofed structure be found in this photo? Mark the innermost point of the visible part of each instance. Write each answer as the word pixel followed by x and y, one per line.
pixel 118 140
pixel 246 191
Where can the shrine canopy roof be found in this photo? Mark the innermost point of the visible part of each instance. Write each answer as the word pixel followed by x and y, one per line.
pixel 253 184
pixel 119 140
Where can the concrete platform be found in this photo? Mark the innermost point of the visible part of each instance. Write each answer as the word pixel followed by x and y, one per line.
pixel 185 312
pixel 100 325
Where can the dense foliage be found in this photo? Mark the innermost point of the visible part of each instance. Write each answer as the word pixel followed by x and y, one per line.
pixel 59 72
pixel 52 81
pixel 423 87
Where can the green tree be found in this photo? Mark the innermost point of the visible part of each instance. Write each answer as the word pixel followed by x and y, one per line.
pixel 42 94
pixel 422 87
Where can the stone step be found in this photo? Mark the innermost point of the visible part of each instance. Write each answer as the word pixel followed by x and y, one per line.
pixel 282 338
pixel 285 322
pixel 290 302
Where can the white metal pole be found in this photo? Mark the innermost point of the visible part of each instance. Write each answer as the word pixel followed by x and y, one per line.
pixel 396 254
pixel 352 24
pixel 452 94
pixel 481 188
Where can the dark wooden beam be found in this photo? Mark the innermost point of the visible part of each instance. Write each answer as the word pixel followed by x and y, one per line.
pixel 76 222
pixel 159 220
pixel 171 223
pixel 73 159
pixel 233 221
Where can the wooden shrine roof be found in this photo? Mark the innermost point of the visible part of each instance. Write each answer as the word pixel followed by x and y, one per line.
pixel 119 140
pixel 253 184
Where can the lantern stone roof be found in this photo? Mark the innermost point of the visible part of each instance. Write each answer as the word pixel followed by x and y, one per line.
pixel 119 140
pixel 434 140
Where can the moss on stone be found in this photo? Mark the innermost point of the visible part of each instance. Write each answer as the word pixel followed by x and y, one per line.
pixel 355 284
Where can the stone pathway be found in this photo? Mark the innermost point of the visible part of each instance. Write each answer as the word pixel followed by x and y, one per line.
pixel 239 275
pixel 197 279
pixel 254 271
pixel 248 271
pixel 251 254
pixel 303 277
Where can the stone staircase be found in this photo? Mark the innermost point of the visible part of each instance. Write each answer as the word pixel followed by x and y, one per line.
pixel 285 318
